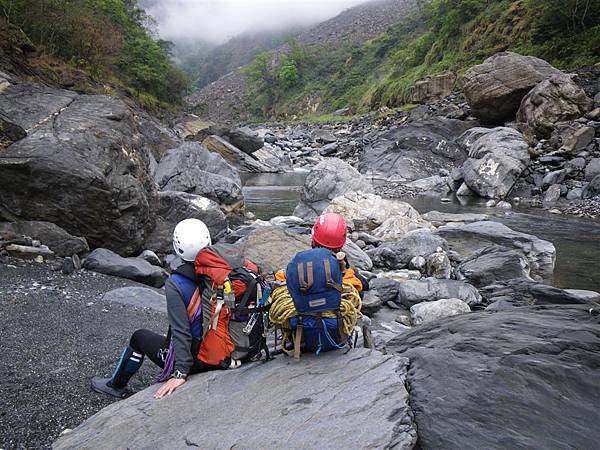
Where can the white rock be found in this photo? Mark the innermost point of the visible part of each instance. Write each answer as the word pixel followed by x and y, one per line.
pixel 429 311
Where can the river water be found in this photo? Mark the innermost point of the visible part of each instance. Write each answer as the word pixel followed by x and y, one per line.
pixel 577 240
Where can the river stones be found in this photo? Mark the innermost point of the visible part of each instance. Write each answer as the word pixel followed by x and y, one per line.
pixel 331 178
pixel 369 211
pixel 415 150
pixel 412 292
pixel 233 155
pixel 193 169
pixel 104 261
pixel 496 160
pixel 555 100
pixel 245 139
pixel 272 247
pixel 494 263
pixel 481 380
pixel 468 238
pixel 375 414
pixel 495 88
pixel 429 311
pixel 397 254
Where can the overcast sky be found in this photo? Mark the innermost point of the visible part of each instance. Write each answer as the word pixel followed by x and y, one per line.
pixel 218 20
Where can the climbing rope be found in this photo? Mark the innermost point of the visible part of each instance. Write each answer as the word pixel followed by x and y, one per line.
pixel 283 309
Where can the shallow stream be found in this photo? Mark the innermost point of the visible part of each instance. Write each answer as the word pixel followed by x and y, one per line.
pixel 577 240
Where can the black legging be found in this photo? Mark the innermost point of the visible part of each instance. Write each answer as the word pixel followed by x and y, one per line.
pixel 155 347
pixel 150 344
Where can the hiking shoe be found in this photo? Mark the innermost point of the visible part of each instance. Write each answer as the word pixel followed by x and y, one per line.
pixel 101 385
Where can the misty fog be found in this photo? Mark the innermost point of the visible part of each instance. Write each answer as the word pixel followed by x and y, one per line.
pixel 216 21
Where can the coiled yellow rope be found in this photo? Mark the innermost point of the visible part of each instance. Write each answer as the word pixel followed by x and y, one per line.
pixel 283 309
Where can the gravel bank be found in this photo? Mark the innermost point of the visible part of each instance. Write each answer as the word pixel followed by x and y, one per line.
pixel 56 334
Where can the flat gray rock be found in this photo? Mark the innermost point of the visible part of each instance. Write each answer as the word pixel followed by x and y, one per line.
pixel 443 217
pixel 104 261
pixel 469 238
pixel 521 378
pixel 334 401
pixel 137 296
pixel 412 292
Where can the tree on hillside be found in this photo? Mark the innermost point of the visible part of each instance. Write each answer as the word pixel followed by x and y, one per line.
pixel 108 38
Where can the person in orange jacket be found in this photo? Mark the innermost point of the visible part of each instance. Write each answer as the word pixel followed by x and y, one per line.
pixel 329 231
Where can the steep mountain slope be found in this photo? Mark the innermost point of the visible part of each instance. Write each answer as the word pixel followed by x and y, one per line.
pixel 98 46
pixel 227 99
pixel 208 65
pixel 437 36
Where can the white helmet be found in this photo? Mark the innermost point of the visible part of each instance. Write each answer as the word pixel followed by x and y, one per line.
pixel 189 237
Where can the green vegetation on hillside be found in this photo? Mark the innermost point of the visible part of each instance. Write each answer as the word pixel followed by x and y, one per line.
pixel 108 39
pixel 441 35
pixel 206 64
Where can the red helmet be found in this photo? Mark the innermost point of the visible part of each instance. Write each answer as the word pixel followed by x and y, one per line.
pixel 329 231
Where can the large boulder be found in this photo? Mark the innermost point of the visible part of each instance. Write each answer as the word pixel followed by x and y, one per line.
pixel 369 211
pixel 524 378
pixel 429 311
pixel 497 157
pixel 495 88
pixel 84 166
pixel 467 239
pixel 233 155
pixel 193 169
pixel 104 261
pixel 272 247
pixel 494 263
pixel 415 150
pixel 53 236
pixel 412 292
pixel 555 100
pixel 274 158
pixel 317 408
pixel 174 207
pixel 328 180
pixel 397 254
pixel 356 256
pixel 245 139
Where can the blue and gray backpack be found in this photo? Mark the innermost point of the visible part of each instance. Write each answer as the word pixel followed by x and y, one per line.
pixel 314 281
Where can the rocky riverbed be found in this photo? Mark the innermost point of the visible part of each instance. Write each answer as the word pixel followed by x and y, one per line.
pixel 91 188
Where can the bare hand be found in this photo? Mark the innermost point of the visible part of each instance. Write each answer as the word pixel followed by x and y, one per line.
pixel 169 387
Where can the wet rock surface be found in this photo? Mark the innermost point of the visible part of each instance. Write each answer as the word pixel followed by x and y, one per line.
pixel 378 412
pixel 480 380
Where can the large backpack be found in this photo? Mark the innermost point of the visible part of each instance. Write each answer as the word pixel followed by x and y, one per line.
pixel 314 281
pixel 232 302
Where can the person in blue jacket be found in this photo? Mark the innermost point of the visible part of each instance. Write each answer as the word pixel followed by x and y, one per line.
pixel 189 238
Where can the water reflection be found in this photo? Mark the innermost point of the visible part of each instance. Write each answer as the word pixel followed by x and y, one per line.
pixel 577 240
